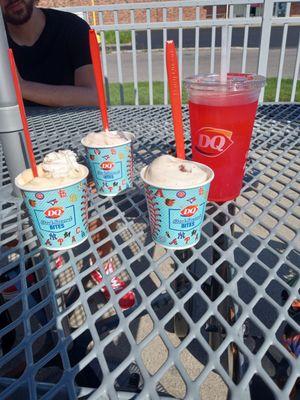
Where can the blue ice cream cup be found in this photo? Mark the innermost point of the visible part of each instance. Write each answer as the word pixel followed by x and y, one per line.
pixel 176 215
pixel 111 165
pixel 59 215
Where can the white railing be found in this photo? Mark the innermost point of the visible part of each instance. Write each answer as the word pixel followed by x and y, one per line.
pixel 155 16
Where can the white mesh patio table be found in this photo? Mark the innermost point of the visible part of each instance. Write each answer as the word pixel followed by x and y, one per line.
pixel 207 322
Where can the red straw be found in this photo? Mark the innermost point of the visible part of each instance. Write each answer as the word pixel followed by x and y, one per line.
pixel 175 98
pixel 96 59
pixel 22 112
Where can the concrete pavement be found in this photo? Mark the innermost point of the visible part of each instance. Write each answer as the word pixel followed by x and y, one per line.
pixel 189 60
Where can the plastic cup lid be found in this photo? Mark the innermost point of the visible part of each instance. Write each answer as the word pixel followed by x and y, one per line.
pixel 236 82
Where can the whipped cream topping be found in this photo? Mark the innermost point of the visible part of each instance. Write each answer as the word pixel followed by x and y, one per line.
pixel 106 138
pixel 58 169
pixel 167 171
pixel 60 164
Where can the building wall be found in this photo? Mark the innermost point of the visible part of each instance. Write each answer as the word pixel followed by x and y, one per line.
pixel 140 15
pixel 189 13
pixel 295 8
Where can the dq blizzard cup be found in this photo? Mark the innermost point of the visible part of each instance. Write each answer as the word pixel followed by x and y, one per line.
pixel 110 159
pixel 222 116
pixel 59 215
pixel 176 214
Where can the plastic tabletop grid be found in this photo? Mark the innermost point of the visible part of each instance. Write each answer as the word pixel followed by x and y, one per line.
pixel 207 320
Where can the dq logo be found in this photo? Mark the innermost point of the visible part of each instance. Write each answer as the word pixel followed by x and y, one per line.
pixel 107 165
pixel 212 141
pixel 189 211
pixel 54 212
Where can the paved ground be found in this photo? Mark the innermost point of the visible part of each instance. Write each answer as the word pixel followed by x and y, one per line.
pixel 188 37
pixel 188 63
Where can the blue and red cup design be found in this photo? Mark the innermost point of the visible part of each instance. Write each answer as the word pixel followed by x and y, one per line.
pixel 176 215
pixel 59 215
pixel 111 167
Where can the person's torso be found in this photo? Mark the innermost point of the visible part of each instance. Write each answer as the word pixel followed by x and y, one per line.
pixel 48 61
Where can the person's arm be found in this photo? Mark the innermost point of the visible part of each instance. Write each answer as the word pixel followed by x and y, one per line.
pixel 83 93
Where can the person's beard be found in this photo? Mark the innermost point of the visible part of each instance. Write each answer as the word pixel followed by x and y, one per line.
pixel 18 12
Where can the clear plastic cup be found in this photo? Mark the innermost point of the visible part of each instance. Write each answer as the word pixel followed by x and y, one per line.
pixel 222 116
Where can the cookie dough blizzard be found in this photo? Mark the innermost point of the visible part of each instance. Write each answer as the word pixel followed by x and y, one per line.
pixel 106 138
pixel 176 192
pixel 110 159
pixel 171 172
pixel 56 200
pixel 57 169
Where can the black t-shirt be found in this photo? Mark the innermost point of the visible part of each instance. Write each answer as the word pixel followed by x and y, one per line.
pixel 62 47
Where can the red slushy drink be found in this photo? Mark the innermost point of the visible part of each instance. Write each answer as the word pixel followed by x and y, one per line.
pixel 222 116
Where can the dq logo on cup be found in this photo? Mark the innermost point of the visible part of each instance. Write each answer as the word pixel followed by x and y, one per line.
pixel 175 215
pixel 111 167
pixel 212 141
pixel 107 165
pixel 189 211
pixel 54 212
pixel 64 225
